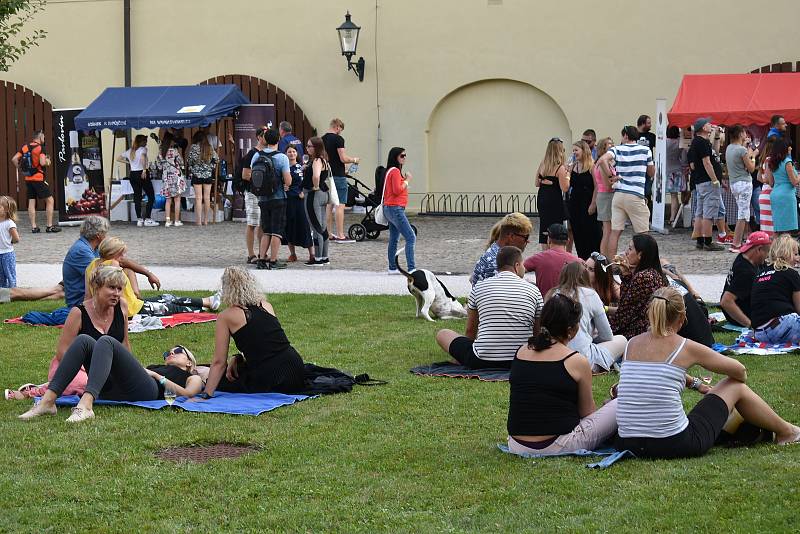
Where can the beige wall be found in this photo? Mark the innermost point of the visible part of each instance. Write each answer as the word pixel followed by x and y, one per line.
pixel 601 64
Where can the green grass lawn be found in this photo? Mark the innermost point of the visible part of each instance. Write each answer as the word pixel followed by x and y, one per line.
pixel 418 454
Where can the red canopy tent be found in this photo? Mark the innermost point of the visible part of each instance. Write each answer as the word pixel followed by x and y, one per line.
pixel 737 98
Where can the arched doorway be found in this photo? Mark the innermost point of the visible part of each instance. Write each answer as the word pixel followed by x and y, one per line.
pixel 21 113
pixel 488 136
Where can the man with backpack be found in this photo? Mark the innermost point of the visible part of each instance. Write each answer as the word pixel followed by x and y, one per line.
pixel 269 180
pixel 241 183
pixel 30 161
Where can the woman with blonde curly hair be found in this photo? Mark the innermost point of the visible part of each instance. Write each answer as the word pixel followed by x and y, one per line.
pixel 650 414
pixel 512 230
pixel 775 298
pixel 268 362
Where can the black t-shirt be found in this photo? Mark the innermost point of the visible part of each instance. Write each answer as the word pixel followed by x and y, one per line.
pixel 699 149
pixel 244 163
pixel 648 139
pixel 333 142
pixel 740 283
pixel 174 374
pixel 772 295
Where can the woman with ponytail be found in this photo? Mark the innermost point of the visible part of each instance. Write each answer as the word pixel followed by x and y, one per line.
pixel 650 414
pixel 551 408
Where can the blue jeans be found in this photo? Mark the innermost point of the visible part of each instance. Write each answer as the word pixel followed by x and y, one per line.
pixel 398 224
pixel 8 269
pixel 787 331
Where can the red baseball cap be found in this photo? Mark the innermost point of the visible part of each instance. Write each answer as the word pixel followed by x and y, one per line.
pixel 754 240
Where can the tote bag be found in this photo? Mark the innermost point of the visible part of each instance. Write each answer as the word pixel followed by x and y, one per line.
pixel 380 217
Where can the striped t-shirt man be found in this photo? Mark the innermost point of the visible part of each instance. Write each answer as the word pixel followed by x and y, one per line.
pixel 507 307
pixel 631 162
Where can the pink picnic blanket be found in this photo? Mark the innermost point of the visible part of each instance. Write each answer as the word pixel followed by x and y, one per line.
pixel 169 321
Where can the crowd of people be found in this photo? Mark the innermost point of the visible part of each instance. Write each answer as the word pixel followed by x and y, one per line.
pixel 595 311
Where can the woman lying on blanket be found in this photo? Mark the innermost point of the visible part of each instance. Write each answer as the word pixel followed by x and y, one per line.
pixel 102 347
pixel 268 362
pixel 775 297
pixel 652 422
pixel 112 250
pixel 551 407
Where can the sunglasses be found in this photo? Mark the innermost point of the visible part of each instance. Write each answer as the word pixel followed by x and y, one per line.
pixel 596 256
pixel 178 349
pixel 556 139
pixel 523 236
pixel 401 156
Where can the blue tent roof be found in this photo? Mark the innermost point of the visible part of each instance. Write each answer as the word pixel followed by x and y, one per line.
pixel 121 108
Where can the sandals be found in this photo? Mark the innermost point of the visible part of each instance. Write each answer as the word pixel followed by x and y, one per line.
pixel 52 229
pixel 36 230
pixel 252 259
pixel 292 258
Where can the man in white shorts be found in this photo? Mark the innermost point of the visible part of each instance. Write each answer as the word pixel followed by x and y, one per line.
pixel 633 163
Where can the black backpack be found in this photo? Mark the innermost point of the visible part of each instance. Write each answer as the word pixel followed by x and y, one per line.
pixel 26 162
pixel 264 178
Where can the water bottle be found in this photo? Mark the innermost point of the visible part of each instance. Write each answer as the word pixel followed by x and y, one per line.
pixel 354 168
pixel 223 168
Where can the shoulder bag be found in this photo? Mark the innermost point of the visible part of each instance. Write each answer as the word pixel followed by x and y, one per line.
pixel 380 218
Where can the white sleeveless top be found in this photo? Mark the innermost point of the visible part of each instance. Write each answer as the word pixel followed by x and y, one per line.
pixel 649 397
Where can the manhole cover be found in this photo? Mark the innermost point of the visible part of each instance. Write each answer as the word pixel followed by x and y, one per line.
pixel 204 453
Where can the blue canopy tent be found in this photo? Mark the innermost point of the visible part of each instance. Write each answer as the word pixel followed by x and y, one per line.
pixel 187 106
pixel 183 106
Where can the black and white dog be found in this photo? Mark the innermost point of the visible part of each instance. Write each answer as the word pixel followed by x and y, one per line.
pixel 432 296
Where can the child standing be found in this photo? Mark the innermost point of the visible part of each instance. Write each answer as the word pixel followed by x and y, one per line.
pixel 8 236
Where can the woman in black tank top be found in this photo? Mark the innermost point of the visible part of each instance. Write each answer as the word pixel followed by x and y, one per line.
pixel 96 337
pixel 268 362
pixel 552 181
pixel 551 408
pixel 586 231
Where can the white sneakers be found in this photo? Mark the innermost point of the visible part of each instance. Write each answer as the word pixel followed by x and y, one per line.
pixel 78 414
pixel 38 410
pixel 150 222
pixel 140 223
pixel 167 223
pixel 216 300
pixel 177 223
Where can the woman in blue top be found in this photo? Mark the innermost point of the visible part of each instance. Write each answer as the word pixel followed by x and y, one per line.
pixel 784 201
pixel 298 232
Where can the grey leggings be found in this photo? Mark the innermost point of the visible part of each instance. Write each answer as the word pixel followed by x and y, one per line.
pixel 114 373
pixel 315 212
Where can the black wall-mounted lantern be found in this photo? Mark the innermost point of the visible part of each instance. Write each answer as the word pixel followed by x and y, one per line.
pixel 348 40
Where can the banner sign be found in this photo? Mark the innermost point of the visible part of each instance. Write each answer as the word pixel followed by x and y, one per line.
pixel 77 167
pixel 660 178
pixel 247 120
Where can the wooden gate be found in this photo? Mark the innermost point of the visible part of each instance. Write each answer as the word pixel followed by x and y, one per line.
pixel 22 112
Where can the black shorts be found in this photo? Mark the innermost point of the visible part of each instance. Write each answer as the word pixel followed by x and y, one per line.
pixel 705 425
pixel 461 349
pixel 202 181
pixel 273 216
pixel 39 189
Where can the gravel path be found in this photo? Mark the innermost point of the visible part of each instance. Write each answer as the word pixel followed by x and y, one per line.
pixel 444 244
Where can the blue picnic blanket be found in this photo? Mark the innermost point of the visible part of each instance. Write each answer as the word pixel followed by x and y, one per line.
pixel 611 455
pixel 747 344
pixel 231 403
pixel 55 318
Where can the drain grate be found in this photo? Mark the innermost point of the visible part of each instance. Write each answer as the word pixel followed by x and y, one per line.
pixel 204 453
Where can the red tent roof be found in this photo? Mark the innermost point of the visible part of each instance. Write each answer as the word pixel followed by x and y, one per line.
pixel 737 98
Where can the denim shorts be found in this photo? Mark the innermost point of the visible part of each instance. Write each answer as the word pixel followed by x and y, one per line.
pixel 341 188
pixel 786 331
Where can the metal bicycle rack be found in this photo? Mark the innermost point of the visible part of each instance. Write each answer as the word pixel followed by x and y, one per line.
pixel 477 204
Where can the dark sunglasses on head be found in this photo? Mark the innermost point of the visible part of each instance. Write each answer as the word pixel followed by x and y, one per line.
pixel 556 139
pixel 177 349
pixel 596 256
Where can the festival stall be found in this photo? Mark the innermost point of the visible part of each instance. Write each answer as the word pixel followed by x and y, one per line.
pixel 125 108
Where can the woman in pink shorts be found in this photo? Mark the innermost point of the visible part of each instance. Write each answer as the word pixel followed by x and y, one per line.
pixel 603 196
pixel 551 408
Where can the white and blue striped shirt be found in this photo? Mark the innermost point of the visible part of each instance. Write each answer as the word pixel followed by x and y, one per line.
pixel 631 162
pixel 649 398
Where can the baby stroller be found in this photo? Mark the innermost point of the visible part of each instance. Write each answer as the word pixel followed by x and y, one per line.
pixel 359 194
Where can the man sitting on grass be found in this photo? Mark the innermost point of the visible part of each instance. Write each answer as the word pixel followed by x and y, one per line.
pixel 548 264
pixel 502 312
pixel 735 300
